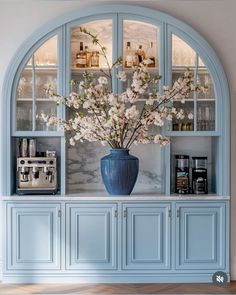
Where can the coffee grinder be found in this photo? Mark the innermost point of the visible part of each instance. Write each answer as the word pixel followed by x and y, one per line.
pixel 181 174
pixel 199 175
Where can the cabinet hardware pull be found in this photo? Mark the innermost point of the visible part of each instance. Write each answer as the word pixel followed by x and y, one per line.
pixel 125 213
pixel 59 213
pixel 116 213
pixel 177 212
pixel 169 212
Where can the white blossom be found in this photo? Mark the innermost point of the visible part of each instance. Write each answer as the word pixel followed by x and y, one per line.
pixel 122 76
pixel 126 118
pixel 102 80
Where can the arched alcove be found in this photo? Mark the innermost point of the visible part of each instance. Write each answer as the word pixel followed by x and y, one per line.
pixel 172 34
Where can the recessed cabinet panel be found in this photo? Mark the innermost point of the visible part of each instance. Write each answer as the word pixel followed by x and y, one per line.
pixel 146 236
pixel 200 236
pixel 91 240
pixel 33 236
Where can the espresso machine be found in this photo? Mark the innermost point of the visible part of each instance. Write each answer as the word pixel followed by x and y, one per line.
pixel 35 175
pixel 199 175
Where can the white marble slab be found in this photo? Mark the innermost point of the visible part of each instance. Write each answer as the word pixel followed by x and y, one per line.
pixel 83 167
pixel 102 196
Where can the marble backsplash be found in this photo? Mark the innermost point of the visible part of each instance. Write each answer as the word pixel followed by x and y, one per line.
pixel 83 167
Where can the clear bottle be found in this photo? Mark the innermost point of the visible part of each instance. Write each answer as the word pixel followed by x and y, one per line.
pixel 81 57
pixel 150 54
pixel 129 57
pixel 95 59
pixel 140 54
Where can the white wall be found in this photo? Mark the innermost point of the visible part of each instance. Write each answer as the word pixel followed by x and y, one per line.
pixel 213 19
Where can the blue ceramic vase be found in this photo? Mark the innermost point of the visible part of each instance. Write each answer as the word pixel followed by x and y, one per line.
pixel 119 172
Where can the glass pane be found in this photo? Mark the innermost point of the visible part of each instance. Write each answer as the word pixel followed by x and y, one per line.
pixel 46 55
pixel 24 100
pixel 137 47
pixel 45 76
pixel 143 45
pixel 88 56
pixel 24 115
pixel 24 89
pixel 205 101
pixel 184 58
pixel 182 53
pixel 47 108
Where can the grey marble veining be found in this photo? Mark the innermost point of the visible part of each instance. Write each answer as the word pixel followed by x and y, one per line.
pixel 83 167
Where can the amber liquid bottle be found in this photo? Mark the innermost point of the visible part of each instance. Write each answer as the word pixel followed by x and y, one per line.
pixel 140 54
pixel 81 57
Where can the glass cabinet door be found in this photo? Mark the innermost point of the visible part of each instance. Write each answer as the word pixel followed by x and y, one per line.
pixel 205 112
pixel 88 56
pixel 199 108
pixel 140 42
pixel 32 102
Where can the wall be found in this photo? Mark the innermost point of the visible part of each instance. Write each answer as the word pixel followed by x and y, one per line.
pixel 213 19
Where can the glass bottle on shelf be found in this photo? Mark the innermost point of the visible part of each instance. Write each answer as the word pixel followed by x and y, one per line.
pixel 81 57
pixel 150 54
pixel 140 54
pixel 95 59
pixel 129 58
pixel 88 57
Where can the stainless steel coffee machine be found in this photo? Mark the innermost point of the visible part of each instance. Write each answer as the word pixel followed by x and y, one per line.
pixel 36 175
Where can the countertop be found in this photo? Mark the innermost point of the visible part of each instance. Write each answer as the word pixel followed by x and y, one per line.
pixel 103 196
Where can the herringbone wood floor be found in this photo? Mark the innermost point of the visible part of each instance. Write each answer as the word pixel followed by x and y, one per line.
pixel 117 289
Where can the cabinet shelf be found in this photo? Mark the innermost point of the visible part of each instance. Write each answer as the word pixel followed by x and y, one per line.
pixel 37 99
pixel 42 68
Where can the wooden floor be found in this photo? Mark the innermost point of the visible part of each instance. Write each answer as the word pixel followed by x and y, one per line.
pixel 117 289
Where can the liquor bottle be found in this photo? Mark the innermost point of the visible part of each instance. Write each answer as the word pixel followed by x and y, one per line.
pixel 140 53
pixel 150 54
pixel 81 57
pixel 129 58
pixel 88 57
pixel 95 59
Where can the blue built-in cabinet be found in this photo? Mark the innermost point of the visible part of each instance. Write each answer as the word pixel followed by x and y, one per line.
pixel 91 239
pixel 201 236
pixel 116 240
pixel 146 236
pixel 152 235
pixel 33 236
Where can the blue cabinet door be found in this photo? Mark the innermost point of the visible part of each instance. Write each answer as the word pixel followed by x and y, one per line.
pixel 33 236
pixel 200 236
pixel 91 236
pixel 146 236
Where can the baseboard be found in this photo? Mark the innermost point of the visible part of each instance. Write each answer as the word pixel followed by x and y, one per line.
pixel 164 278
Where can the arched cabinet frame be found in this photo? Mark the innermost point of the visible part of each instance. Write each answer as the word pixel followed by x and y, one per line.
pixel 167 25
